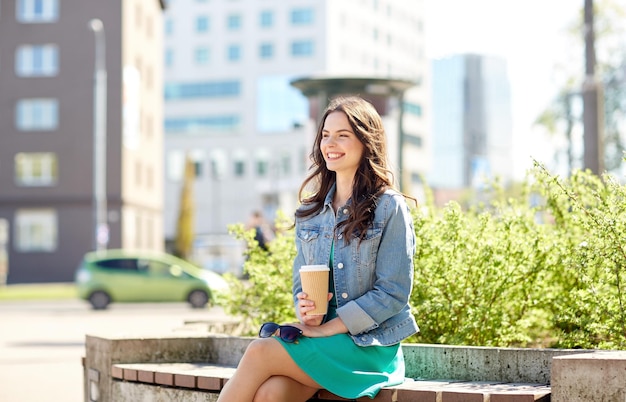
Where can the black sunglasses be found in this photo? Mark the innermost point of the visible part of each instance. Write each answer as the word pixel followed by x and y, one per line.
pixel 287 333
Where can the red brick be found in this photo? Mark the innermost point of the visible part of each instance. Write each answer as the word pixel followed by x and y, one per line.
pixel 414 395
pixel 146 376
pixel 185 380
pixel 164 378
pixel 210 383
pixel 130 374
pixel 117 372
pixel 462 397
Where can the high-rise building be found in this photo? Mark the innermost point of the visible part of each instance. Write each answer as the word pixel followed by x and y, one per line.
pixel 471 123
pixel 230 103
pixel 50 209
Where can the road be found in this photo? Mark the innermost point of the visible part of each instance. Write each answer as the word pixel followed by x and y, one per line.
pixel 42 342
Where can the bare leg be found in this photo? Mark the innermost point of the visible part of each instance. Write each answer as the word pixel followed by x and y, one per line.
pixel 265 359
pixel 284 389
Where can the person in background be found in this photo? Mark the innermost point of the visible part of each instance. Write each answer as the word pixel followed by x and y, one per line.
pixel 262 231
pixel 352 219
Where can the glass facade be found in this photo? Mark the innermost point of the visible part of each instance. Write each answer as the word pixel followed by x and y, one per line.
pixel 280 107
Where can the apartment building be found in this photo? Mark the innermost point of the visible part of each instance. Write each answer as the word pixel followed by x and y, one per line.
pixel 230 102
pixel 47 83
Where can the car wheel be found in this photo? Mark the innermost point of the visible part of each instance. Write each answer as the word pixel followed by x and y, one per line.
pixel 198 298
pixel 99 300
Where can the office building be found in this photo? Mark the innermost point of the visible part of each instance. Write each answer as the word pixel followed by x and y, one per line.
pixel 48 201
pixel 471 123
pixel 230 103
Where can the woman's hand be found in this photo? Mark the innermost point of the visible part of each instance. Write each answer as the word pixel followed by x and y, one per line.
pixel 304 306
pixel 329 328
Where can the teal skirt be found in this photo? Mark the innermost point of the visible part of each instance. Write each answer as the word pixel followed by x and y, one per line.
pixel 337 364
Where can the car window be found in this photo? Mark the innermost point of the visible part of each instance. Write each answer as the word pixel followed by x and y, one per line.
pixel 158 268
pixel 121 264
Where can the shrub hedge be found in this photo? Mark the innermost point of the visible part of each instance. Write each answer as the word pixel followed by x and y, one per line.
pixel 543 266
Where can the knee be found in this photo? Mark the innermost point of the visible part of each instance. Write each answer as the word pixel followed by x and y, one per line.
pixel 269 391
pixel 259 350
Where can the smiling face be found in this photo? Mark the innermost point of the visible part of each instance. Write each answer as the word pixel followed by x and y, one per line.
pixel 341 148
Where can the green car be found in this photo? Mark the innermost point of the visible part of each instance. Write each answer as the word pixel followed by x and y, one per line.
pixel 108 276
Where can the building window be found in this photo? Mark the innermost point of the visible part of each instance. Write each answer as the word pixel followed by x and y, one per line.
pixel 202 24
pixel 169 27
pixel 37 11
pixel 176 164
pixel 34 61
pixel 211 89
pixel 233 22
pixel 266 51
pixel 266 19
pixel 262 161
pixel 413 139
pixel 37 114
pixel 412 108
pixel 36 169
pixel 239 168
pixel 36 230
pixel 202 125
pixel 302 48
pixel 234 53
pixel 169 57
pixel 201 56
pixel 262 167
pixel 219 161
pixel 302 16
pixel 285 164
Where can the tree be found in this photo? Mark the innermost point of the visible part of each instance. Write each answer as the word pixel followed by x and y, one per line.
pixel 185 226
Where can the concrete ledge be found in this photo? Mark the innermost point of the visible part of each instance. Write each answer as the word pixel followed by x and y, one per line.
pixel 597 376
pixel 470 363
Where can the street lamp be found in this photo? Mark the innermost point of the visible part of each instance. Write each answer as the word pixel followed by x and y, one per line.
pixel 101 227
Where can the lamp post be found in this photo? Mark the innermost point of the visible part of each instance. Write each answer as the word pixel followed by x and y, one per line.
pixel 101 227
pixel 592 100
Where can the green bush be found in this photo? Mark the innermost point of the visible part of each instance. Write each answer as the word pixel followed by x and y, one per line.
pixel 543 267
pixel 266 294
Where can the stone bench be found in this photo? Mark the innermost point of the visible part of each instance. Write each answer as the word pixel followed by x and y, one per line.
pixel 194 365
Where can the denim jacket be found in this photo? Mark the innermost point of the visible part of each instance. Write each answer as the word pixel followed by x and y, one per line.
pixel 373 279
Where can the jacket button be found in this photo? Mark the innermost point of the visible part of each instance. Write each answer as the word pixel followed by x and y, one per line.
pixel 345 211
pixel 344 295
pixel 340 236
pixel 340 265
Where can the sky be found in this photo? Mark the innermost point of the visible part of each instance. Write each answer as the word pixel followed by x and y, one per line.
pixel 530 35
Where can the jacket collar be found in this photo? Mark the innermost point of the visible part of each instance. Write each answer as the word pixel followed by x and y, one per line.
pixel 329 197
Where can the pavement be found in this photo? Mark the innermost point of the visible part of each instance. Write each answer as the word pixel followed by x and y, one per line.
pixel 42 342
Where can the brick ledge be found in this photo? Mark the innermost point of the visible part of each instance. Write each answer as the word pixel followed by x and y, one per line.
pixel 211 378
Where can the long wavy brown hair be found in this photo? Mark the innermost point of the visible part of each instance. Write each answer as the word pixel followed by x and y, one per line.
pixel 372 177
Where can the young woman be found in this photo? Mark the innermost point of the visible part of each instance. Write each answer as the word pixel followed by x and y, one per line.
pixel 353 220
